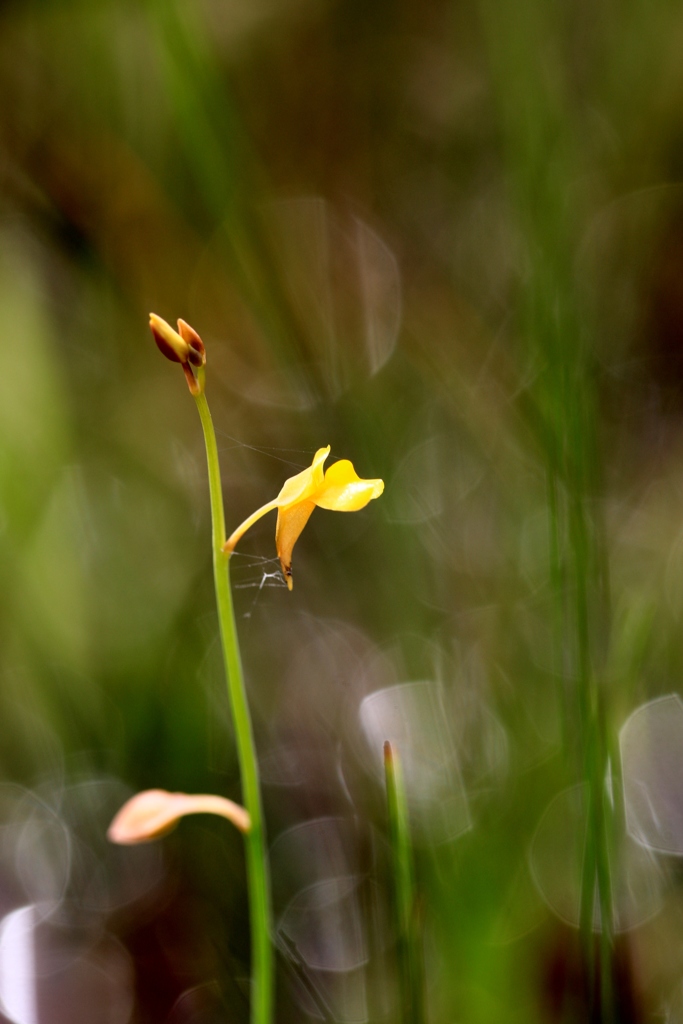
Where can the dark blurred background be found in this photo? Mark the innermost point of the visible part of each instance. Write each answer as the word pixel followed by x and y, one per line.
pixel 446 239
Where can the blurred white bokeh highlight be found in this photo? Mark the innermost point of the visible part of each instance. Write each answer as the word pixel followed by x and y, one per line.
pixel 651 744
pixel 324 922
pixel 18 966
pixel 105 877
pixel 556 859
pixel 51 973
pixel 416 487
pixel 60 879
pixel 413 718
pixel 380 287
pixel 343 281
pixel 35 849
pixel 320 896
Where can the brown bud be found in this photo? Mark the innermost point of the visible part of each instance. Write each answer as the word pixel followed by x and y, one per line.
pixel 169 341
pixel 197 354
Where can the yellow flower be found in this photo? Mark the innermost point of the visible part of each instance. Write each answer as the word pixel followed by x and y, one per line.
pixel 153 813
pixel 339 489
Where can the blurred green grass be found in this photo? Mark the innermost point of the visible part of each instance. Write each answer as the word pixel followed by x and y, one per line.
pixel 270 173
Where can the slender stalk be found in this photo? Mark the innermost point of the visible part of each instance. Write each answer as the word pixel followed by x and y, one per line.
pixel 257 865
pixel 411 977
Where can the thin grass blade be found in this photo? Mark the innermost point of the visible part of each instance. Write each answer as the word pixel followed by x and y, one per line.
pixel 409 939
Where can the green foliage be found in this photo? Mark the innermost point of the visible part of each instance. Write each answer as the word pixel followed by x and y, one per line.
pixel 445 239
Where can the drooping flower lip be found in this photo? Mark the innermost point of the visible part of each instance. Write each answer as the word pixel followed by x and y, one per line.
pixel 181 346
pixel 155 812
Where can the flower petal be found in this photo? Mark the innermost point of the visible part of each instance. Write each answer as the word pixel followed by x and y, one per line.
pixel 197 353
pixel 290 522
pixel 344 491
pixel 298 488
pixel 153 813
pixel 169 342
pixel 304 484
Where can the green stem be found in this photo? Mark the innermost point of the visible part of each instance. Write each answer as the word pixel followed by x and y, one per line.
pixel 257 864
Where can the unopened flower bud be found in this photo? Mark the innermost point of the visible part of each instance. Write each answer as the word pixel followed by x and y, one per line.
pixel 169 342
pixel 197 354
